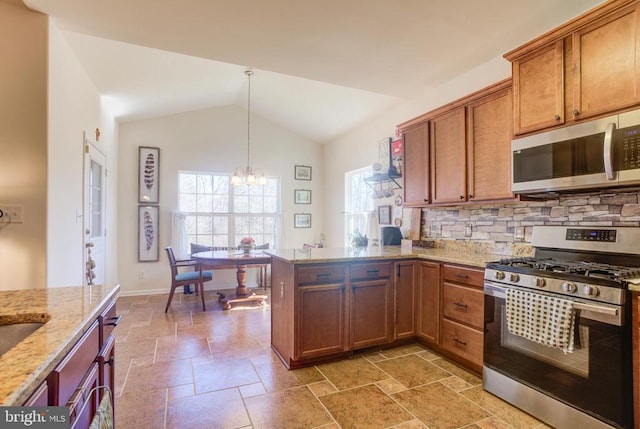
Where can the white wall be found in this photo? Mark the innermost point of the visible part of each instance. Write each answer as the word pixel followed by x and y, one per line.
pixel 74 108
pixel 211 140
pixel 23 145
pixel 360 147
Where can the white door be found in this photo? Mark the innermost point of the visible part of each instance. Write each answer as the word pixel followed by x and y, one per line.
pixel 94 214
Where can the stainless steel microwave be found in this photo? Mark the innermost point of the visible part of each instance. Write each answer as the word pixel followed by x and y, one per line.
pixel 601 153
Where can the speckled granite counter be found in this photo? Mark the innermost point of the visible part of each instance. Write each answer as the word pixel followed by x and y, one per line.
pixel 456 254
pixel 70 311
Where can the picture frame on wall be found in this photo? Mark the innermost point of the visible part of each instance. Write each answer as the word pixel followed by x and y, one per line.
pixel 302 196
pixel 302 220
pixel 384 215
pixel 148 174
pixel 148 228
pixel 302 172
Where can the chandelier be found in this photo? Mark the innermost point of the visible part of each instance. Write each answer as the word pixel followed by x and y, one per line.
pixel 248 175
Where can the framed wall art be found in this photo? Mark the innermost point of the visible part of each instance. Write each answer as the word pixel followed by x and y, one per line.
pixel 384 215
pixel 148 227
pixel 148 174
pixel 302 172
pixel 302 196
pixel 302 220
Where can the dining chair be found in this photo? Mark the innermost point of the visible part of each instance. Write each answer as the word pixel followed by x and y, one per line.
pixel 262 268
pixel 179 278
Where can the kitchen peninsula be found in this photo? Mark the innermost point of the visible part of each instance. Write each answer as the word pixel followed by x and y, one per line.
pixel 72 349
pixel 328 303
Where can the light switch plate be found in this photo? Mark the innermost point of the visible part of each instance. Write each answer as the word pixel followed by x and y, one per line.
pixel 11 213
pixel 434 230
pixel 518 234
pixel 468 230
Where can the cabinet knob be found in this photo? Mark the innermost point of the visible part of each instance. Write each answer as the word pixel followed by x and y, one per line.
pixel 576 112
pixel 426 200
pixel 557 117
pixel 462 197
pixel 470 196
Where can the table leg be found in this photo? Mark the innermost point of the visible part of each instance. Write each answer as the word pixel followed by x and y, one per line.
pixel 241 275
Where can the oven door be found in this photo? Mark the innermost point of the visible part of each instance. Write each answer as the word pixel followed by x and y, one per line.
pixel 596 378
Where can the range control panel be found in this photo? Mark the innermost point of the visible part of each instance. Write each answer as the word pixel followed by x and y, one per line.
pixel 627 144
pixel 574 234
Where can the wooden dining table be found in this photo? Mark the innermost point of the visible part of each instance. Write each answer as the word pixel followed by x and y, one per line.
pixel 239 260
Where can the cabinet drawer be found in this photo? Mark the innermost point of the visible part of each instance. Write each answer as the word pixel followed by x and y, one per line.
pixel 84 402
pixel 465 275
pixel 371 270
pixel 109 320
pixel 321 274
pixel 462 341
pixel 463 304
pixel 69 373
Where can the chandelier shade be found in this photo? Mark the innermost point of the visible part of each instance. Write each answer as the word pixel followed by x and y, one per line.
pixel 248 175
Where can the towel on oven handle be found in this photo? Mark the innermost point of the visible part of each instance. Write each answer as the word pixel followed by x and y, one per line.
pixel 541 318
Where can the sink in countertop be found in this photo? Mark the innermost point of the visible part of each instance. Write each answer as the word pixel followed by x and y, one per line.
pixel 16 328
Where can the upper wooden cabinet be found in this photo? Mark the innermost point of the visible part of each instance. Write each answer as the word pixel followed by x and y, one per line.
pixel 469 150
pixel 448 157
pixel 588 67
pixel 416 165
pixel 489 147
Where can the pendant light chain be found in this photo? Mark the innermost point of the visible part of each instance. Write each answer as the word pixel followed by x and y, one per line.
pixel 248 73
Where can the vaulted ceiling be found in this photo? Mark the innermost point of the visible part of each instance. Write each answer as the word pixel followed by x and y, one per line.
pixel 322 67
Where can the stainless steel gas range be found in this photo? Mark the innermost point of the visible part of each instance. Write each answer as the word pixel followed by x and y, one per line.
pixel 557 339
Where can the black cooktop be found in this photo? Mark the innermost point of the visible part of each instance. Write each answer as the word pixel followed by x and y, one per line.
pixel 576 268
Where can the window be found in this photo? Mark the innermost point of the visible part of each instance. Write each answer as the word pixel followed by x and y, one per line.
pixel 219 214
pixel 358 203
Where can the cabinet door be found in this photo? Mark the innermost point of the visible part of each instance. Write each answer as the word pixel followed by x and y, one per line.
pixel 405 299
pixel 489 147
pixel 107 361
pixel 606 64
pixel 320 320
pixel 416 166
pixel 538 89
pixel 429 301
pixel 448 157
pixel 371 313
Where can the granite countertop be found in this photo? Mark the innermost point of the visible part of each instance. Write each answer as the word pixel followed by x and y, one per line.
pixel 463 256
pixel 70 312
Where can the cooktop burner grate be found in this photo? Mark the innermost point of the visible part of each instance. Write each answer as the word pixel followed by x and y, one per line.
pixel 587 269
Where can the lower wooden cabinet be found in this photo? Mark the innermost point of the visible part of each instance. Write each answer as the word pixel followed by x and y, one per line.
pixel 320 320
pixel 405 296
pixel 463 313
pixel 429 301
pixel 39 398
pixel 371 313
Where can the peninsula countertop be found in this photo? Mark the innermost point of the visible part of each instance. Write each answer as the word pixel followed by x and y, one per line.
pixel 346 254
pixel 70 312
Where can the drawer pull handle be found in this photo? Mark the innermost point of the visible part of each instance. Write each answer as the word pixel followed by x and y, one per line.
pixel 461 304
pixel 462 343
pixel 115 322
pixel 109 362
pixel 461 276
pixel 319 275
pixel 371 272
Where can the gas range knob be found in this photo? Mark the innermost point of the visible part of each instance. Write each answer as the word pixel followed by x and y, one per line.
pixel 498 275
pixel 514 278
pixel 539 282
pixel 569 287
pixel 590 290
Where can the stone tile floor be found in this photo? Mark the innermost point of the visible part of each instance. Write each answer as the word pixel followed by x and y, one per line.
pixel 215 369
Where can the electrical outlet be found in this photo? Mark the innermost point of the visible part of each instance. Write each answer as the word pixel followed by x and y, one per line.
pixel 11 213
pixel 468 230
pixel 141 275
pixel 518 234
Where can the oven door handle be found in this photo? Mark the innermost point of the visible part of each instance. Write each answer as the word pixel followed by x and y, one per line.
pixel 595 308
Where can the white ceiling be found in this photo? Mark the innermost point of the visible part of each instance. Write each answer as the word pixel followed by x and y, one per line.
pixel 322 67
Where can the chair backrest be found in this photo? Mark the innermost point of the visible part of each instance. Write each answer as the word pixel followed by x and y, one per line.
pixel 310 246
pixel 262 246
pixel 172 260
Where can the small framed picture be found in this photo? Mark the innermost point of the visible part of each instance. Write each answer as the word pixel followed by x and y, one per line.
pixel 302 196
pixel 148 227
pixel 302 220
pixel 302 172
pixel 384 215
pixel 148 174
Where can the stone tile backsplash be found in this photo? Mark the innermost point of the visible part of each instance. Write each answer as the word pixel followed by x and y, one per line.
pixel 513 222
